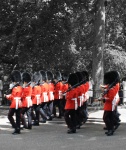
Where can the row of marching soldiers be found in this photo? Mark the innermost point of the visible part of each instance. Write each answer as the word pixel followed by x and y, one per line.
pixel 41 94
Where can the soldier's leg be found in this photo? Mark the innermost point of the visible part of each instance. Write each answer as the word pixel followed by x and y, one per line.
pixel 28 112
pixel 23 111
pixel 10 117
pixel 43 113
pixel 18 114
pixel 18 118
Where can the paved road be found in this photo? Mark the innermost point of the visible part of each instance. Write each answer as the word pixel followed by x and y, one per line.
pixel 53 136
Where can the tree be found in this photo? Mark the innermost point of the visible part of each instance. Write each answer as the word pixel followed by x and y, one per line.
pixel 59 34
pixel 99 45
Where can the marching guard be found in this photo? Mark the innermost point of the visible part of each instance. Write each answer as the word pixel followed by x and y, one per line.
pixel 36 96
pixel 80 110
pixel 50 94
pixel 44 97
pixel 15 98
pixel 111 99
pixel 26 101
pixel 86 96
pixel 57 93
pixel 71 104
pixel 64 88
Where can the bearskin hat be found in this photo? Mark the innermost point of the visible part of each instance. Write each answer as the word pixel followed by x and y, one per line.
pixel 64 77
pixel 26 77
pixel 73 79
pixel 85 75
pixel 111 77
pixel 80 76
pixel 58 75
pixel 49 75
pixel 37 77
pixel 15 76
pixel 43 74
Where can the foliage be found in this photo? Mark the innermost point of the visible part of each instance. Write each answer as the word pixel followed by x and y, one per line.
pixel 116 23
pixel 59 34
pixel 115 59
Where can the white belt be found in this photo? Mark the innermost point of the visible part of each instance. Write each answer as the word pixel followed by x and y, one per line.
pixel 18 101
pixel 51 96
pixel 86 96
pixel 114 102
pixel 45 96
pixel 38 99
pixel 82 98
pixel 76 104
pixel 60 95
pixel 29 101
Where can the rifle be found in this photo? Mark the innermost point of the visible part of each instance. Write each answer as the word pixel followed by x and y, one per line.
pixel 57 82
pixel 37 83
pixel 28 84
pixel 10 90
pixel 76 85
pixel 107 90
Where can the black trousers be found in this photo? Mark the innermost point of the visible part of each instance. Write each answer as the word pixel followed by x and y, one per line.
pixel 11 113
pixel 42 110
pixel 80 115
pixel 28 113
pixel 84 111
pixel 116 116
pixel 62 106
pixel 50 108
pixel 37 111
pixel 108 119
pixel 58 105
pixel 70 118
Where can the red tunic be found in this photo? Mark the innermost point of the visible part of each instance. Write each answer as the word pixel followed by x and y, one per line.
pixel 15 97
pixel 36 93
pixel 44 92
pixel 111 98
pixel 64 87
pixel 58 91
pixel 71 99
pixel 26 97
pixel 50 91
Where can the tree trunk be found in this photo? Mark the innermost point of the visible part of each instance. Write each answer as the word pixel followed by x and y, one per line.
pixel 98 52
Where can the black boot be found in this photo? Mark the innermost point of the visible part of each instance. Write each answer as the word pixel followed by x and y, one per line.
pixel 29 127
pixel 16 131
pixel 110 132
pixel 36 123
pixel 43 121
pixel 70 131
